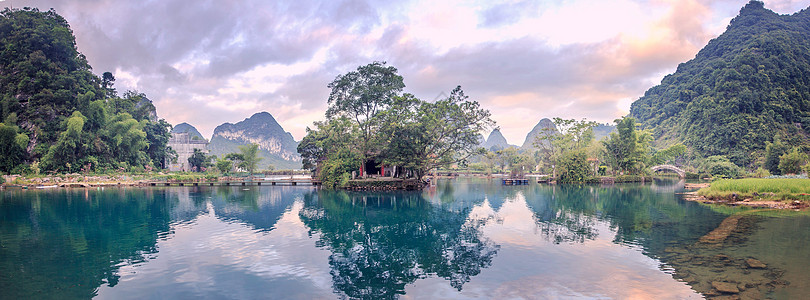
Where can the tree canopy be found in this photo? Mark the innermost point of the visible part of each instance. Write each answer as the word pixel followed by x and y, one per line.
pixel 368 118
pixel 67 117
pixel 745 88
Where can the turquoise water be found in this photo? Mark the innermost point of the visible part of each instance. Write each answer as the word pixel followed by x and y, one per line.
pixel 460 239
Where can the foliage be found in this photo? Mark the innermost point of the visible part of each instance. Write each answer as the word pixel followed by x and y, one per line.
pixel 69 148
pixel 198 161
pixel 250 157
pixel 565 135
pixel 573 167
pixel 719 165
pixel 128 139
pixel 743 89
pixel 367 118
pixel 43 78
pixel 421 136
pixel 627 149
pixel 562 147
pixel 12 147
pixel 69 118
pixel 761 173
pixel 674 154
pixel 224 165
pixel 335 170
pixel 327 139
pixel 784 189
pixel 157 137
pixel 134 103
pixel 792 162
pixel 360 95
pixel 773 151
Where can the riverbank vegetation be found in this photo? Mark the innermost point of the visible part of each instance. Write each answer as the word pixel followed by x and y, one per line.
pixel 370 119
pixel 759 189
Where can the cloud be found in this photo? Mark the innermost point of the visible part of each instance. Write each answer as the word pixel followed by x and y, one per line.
pixel 209 62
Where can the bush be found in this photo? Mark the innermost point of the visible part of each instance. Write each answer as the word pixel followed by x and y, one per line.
pixel 573 167
pixel 721 166
pixel 21 169
pixel 762 173
pixel 792 162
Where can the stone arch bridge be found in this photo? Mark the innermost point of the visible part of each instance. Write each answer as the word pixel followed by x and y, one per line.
pixel 681 172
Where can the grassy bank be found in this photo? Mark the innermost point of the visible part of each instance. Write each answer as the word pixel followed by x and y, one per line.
pixel 758 188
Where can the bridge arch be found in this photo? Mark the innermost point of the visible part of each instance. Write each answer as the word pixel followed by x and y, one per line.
pixel 681 172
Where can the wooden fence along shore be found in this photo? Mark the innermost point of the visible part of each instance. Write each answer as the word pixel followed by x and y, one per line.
pixel 256 182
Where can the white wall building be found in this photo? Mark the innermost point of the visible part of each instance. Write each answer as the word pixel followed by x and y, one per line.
pixel 184 145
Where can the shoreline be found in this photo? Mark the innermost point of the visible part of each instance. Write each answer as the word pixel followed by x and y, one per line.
pixel 748 202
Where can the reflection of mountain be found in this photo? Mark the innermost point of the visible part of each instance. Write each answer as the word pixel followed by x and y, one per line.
pixel 63 244
pixel 260 207
pixel 382 242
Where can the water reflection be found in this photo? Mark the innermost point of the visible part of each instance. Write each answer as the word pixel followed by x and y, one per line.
pixel 463 238
pixel 58 248
pixel 382 242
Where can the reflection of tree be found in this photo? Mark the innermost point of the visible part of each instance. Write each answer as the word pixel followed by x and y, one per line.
pixel 66 243
pixel 638 213
pixel 382 242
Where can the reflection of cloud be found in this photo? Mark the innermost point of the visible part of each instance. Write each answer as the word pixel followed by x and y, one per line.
pixel 530 266
pixel 229 60
pixel 216 259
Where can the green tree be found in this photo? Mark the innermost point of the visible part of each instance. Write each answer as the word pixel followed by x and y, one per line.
pixel 43 77
pixel 198 161
pixel 134 103
pixel 672 155
pixel 12 147
pixel 157 137
pixel 568 139
pixel 436 134
pixel 107 81
pixel 722 166
pixel 326 140
pixel 573 166
pixel 360 95
pixel 773 151
pixel 224 165
pixel 250 157
pixel 627 149
pixel 792 162
pixel 69 148
pixel 127 137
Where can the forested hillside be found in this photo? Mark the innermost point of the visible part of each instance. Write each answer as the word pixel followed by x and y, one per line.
pixel 57 115
pixel 747 87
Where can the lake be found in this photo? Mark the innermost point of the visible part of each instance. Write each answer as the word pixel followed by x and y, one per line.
pixel 465 238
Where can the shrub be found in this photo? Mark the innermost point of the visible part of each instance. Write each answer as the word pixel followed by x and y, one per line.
pixel 792 162
pixel 719 165
pixel 573 167
pixel 762 173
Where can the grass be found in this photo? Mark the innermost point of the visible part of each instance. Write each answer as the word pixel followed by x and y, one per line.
pixel 759 188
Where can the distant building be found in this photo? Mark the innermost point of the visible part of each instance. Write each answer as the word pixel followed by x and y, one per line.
pixel 184 145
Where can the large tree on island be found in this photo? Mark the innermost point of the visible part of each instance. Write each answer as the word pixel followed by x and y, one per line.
pixel 422 136
pixel 360 96
pixel 367 116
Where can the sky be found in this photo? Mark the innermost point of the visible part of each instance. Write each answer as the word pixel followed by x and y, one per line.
pixel 210 62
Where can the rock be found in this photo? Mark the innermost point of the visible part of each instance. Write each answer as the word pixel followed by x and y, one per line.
pixel 755 264
pixel 725 287
pixel 726 297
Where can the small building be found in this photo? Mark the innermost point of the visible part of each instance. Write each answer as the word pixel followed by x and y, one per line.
pixel 184 144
